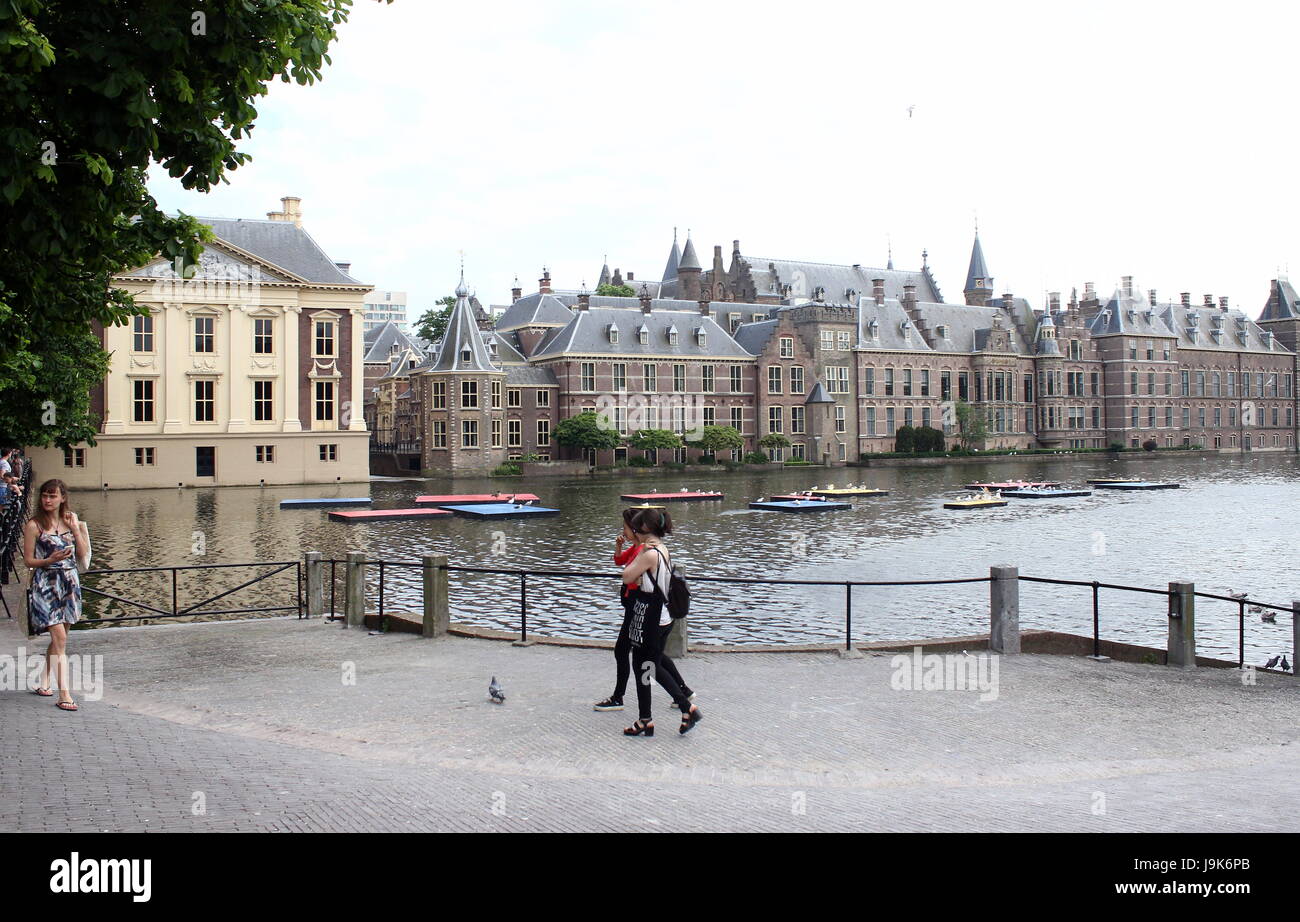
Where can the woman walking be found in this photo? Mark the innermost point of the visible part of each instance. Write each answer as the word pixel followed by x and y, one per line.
pixel 651 623
pixel 52 538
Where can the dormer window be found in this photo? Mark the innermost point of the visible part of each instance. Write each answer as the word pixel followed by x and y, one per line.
pixel 643 335
pixel 850 294
pixel 672 335
pixel 701 337
pixel 873 329
pixel 465 354
pixel 1267 337
pixel 612 332
pixel 905 326
pixel 1193 318
pixel 941 331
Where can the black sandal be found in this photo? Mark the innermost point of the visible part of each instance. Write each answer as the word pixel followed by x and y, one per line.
pixel 690 719
pixel 641 726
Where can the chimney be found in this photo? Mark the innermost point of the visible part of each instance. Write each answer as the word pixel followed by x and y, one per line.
pixel 878 290
pixel 1008 300
pixel 291 210
pixel 1151 296
pixel 1223 303
pixel 631 277
pixel 909 295
pixel 1128 286
pixel 516 293
pixel 735 248
pixel 544 283
pixel 1089 291
pixel 645 300
pixel 704 307
pixel 1054 301
pixel 1209 301
pixel 584 299
pixel 343 267
pixel 1186 298
pixel 617 279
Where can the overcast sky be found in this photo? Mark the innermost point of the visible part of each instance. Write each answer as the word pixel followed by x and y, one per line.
pixel 1092 141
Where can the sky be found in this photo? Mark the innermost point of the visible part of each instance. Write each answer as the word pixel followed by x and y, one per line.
pixel 1089 142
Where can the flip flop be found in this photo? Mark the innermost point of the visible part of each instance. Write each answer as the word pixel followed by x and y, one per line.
pixel 43 692
pixel 66 705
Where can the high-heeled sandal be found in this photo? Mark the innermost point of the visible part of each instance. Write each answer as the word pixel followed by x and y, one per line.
pixel 690 719
pixel 641 726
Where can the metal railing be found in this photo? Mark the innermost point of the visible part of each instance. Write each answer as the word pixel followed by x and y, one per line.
pixel 197 609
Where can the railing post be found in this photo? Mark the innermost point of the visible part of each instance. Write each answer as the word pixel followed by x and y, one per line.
pixel 1004 609
pixel 354 592
pixel 523 640
pixel 1182 625
pixel 437 611
pixel 315 585
pixel 1295 638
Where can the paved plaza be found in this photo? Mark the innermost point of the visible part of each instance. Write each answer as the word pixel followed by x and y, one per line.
pixel 255 726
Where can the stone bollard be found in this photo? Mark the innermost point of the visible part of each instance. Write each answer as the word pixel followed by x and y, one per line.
pixel 354 595
pixel 437 608
pixel 1004 609
pixel 1182 625
pixel 1295 638
pixel 315 585
pixel 677 644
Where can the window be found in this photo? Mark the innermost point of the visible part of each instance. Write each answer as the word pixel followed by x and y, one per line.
pixel 543 398
pixel 774 379
pixel 787 347
pixel 469 433
pixel 1151 350
pixel 620 420
pixel 324 341
pixel 496 395
pixel 889 383
pixel 1151 417
pixel 1200 384
pixel 1133 383
pixel 797 451
pixel 1215 384
pixel 925 382
pixel 907 382
pixel 1232 384
pixel 1134 418
pixel 142 400
pixel 1169 384
pixel 650 379
pixel 735 379
pixel 733 321
pixel 469 395
pixel 74 457
pixel 1218 416
pixel 842 341
pixel 774 419
pixel 837 379
pixel 543 433
pixel 262 340
pixel 672 336
pixel 588 382
pixel 514 397
pixel 738 418
pixel 1132 349
pixel 679 378
pixel 496 433
pixel 144 457
pixel 796 379
pixel 329 452
pixel 706 379
pixel 907 416
pixel 142 338
pixel 828 340
pixel 438 395
pixel 439 433
pixel 324 401
pixel 265 454
pixel 620 376
pixel 203 334
pixel 262 406
pixel 1185 382
pixel 1200 417
pixel 515 433
pixel 205 409
pixel 869 384
pixel 871 421
pixel 1151 383
pixel 843 451
pixel 839 418
pixel 710 416
pixel 925 417
pixel 945 385
pixel 1096 417
pixel 643 335
pixel 1187 418
pixel 797 420
pixel 1169 417
pixel 890 427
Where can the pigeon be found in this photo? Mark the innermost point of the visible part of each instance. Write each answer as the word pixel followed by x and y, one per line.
pixel 495 693
pixel 1284 665
pixel 1273 662
pixel 1268 617
pixel 1238 595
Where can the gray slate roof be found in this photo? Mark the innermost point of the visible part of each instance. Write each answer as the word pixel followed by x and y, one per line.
pixel 674 259
pixel 1130 314
pixel 1283 302
pixel 836 280
pixel 379 343
pixel 530 376
pixel 463 348
pixel 977 268
pixel 535 309
pixel 818 395
pixel 283 244
pixel 587 333
pixel 754 337
pixel 1231 325
pixel 966 327
pixel 688 258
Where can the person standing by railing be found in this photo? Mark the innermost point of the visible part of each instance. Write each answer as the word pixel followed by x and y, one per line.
pixel 52 538
pixel 650 623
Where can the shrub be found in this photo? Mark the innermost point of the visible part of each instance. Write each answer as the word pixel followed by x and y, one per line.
pixel 640 462
pixel 705 459
pixel 756 457
pixel 1116 446
pixel 1149 445
pixel 508 469
pixel 903 439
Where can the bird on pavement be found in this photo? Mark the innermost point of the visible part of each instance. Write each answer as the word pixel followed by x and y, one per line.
pixel 495 692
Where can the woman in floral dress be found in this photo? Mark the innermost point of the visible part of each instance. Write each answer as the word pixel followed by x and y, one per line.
pixel 52 539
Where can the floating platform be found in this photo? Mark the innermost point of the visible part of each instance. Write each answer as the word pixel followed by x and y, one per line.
pixel 799 505
pixel 1044 494
pixel 850 491
pixel 317 502
pixel 1100 480
pixel 471 499
pixel 677 497
pixel 978 503
pixel 500 510
pixel 645 506
pixel 385 515
pixel 1016 485
pixel 792 497
pixel 1137 485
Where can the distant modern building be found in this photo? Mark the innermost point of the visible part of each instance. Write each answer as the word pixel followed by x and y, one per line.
pixel 386 307
pixel 249 371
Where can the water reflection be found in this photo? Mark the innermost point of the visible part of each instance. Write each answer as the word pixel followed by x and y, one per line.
pixel 1229 529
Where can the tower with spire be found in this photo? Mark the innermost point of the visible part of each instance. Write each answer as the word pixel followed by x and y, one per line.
pixel 979 284
pixel 688 272
pixel 674 258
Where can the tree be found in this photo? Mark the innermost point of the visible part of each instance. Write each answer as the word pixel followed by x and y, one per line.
pixel 586 431
pixel 615 291
pixel 971 425
pixel 714 439
pixel 904 439
pixel 90 96
pixel 773 441
pixel 432 325
pixel 654 440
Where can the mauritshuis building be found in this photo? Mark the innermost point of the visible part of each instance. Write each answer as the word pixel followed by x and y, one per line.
pixel 837 357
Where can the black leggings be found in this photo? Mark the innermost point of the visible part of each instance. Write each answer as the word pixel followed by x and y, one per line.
pixel 649 661
pixel 623 660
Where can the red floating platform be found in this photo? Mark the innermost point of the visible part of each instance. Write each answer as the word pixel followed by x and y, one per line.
pixel 472 499
pixel 685 497
pixel 385 515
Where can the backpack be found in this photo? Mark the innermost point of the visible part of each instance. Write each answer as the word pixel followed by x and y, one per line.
pixel 678 595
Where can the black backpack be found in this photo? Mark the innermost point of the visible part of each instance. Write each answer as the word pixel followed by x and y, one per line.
pixel 678 595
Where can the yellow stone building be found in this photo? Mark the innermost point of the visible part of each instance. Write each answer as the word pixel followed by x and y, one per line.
pixel 247 371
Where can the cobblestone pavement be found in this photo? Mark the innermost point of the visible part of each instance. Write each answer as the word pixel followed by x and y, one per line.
pixel 255 723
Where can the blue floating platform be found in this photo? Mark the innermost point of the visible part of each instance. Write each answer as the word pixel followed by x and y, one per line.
pixel 317 502
pixel 1137 485
pixel 501 511
pixel 796 505
pixel 1045 494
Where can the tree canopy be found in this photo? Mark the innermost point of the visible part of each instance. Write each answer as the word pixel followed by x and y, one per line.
pixel 587 431
pixel 655 440
pixel 719 438
pixel 432 325
pixel 615 291
pixel 92 94
pixel 972 425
